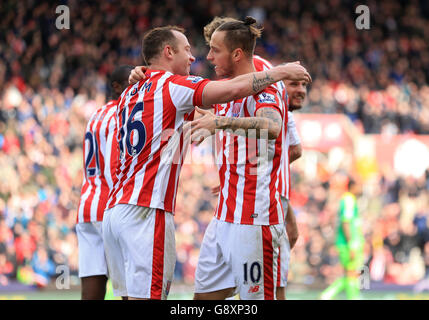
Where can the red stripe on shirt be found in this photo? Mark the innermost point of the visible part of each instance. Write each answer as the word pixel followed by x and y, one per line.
pixel 274 214
pixel 88 202
pixel 233 180
pixel 158 256
pixel 267 245
pixel 104 191
pixel 279 265
pixel 222 171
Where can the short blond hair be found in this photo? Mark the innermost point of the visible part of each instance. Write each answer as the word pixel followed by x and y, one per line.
pixel 214 24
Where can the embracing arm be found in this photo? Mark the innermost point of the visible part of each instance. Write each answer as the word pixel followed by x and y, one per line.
pixel 267 123
pixel 266 120
pixel 251 83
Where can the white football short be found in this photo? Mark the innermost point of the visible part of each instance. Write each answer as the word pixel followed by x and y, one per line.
pixel 284 257
pixel 140 250
pixel 238 256
pixel 92 261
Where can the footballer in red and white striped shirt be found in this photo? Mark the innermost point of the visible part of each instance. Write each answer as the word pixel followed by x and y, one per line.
pixel 291 152
pixel 100 158
pixel 243 237
pixel 151 114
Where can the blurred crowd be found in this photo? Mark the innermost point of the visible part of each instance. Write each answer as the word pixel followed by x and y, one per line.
pixel 394 212
pixel 52 80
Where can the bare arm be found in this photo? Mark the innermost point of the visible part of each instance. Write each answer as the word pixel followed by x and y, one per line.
pixel 267 123
pixel 291 227
pixel 241 86
pixel 251 83
pixel 267 120
pixel 295 152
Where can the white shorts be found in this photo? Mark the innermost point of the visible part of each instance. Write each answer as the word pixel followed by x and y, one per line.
pixel 238 256
pixel 284 257
pixel 92 261
pixel 140 250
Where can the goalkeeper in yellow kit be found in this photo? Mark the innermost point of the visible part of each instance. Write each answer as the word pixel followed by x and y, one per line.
pixel 349 243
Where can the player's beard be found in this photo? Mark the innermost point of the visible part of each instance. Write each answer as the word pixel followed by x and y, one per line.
pixel 293 107
pixel 296 106
pixel 226 71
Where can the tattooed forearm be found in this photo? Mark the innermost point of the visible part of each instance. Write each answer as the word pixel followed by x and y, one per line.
pixel 256 127
pixel 258 84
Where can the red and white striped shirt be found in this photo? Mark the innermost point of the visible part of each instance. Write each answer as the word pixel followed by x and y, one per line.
pixel 151 114
pixel 292 139
pixel 284 183
pixel 100 151
pixel 249 168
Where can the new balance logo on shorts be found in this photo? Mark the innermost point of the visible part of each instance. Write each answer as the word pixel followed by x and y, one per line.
pixel 254 289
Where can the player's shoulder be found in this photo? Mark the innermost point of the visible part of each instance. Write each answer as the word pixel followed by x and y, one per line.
pixel 267 96
pixel 261 63
pixel 184 80
pixel 97 112
pixel 112 104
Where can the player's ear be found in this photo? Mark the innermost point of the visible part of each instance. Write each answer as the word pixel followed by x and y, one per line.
pixel 168 52
pixel 237 54
pixel 116 87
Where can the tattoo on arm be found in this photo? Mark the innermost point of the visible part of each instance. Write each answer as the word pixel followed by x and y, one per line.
pixel 252 125
pixel 271 114
pixel 258 84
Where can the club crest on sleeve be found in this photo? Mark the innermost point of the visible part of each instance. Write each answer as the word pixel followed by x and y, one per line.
pixel 266 98
pixel 194 79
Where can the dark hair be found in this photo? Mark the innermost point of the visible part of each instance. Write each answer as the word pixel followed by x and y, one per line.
pixel 120 75
pixel 155 40
pixel 351 183
pixel 241 34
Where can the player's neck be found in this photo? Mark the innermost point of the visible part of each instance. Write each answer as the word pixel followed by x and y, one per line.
pixel 160 66
pixel 243 67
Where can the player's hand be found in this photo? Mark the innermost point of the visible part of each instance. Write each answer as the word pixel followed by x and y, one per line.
pixel 296 72
pixel 292 233
pixel 203 127
pixel 137 74
pixel 216 190
pixel 187 133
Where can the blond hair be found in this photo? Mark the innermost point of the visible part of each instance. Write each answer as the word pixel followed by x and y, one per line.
pixel 210 28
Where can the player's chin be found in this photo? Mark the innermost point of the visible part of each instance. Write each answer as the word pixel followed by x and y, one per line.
pixel 220 72
pixel 297 103
pixel 295 106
